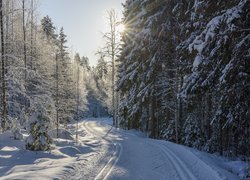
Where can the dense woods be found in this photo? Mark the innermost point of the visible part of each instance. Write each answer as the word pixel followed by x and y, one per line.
pixel 184 72
pixel 44 85
pixel 179 72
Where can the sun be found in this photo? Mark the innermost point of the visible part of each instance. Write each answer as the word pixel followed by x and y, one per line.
pixel 121 28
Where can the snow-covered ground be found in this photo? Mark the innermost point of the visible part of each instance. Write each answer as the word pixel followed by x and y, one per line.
pixel 104 152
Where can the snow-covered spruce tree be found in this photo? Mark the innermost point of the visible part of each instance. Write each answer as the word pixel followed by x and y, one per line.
pixel 49 67
pixel 148 69
pixel 168 130
pixel 191 135
pixel 48 28
pixel 129 77
pixel 66 82
pixel 220 69
pixel 39 140
pixel 42 112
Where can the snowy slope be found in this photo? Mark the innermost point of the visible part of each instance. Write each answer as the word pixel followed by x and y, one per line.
pixel 108 153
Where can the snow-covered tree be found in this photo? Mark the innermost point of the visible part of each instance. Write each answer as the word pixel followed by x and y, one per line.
pixel 48 28
pixel 112 50
pixel 192 133
pixel 39 140
pixel 220 69
pixel 184 73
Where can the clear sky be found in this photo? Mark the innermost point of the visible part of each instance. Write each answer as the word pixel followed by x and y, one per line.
pixel 83 22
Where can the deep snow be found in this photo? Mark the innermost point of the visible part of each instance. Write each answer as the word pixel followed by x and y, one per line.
pixel 104 152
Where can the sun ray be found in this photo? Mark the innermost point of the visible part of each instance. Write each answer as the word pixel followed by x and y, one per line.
pixel 121 28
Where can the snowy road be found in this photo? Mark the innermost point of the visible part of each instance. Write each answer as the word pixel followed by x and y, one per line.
pixel 132 156
pixel 104 152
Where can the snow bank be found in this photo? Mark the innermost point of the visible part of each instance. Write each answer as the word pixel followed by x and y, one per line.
pixel 62 133
pixel 240 168
pixel 70 151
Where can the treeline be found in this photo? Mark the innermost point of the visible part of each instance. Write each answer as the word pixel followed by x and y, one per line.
pixel 44 85
pixel 184 72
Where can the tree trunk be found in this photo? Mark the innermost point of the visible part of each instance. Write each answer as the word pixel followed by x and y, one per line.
pixel 4 103
pixel 116 108
pixel 31 34
pixel 77 106
pixel 57 98
pixel 221 137
pixel 113 75
pixel 24 42
pixel 152 119
pixel 176 114
pixel 113 89
pixel 7 45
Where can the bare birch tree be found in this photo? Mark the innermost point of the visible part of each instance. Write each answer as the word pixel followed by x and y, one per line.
pixel 112 44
